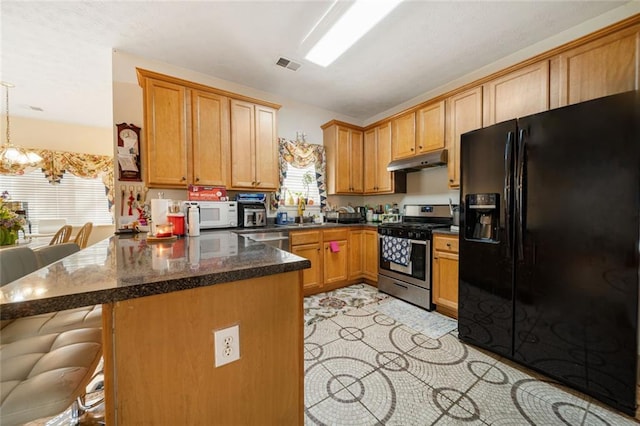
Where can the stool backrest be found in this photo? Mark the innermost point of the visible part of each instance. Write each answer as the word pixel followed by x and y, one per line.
pixel 16 262
pixel 46 255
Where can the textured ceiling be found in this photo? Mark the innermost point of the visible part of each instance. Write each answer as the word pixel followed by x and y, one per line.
pixel 58 54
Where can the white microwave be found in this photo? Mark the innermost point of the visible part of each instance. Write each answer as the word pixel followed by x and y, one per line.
pixel 215 214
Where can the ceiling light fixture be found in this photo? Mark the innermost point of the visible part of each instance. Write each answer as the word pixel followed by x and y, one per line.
pixel 356 22
pixel 12 157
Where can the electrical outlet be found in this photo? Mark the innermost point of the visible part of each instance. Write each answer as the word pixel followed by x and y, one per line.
pixel 226 345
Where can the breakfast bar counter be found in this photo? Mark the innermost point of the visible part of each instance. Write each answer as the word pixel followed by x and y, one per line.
pixel 162 302
pixel 127 267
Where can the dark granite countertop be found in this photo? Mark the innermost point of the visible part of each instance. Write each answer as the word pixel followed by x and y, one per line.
pixel 121 268
pixel 445 231
pixel 297 227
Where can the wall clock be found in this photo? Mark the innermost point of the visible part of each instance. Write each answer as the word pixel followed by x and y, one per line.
pixel 128 152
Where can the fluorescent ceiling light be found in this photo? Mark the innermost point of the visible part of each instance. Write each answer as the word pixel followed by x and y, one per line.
pixel 360 18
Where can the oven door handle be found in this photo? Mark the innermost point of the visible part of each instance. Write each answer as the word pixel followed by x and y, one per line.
pixel 421 242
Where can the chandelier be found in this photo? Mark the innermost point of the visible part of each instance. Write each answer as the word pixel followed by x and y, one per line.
pixel 13 158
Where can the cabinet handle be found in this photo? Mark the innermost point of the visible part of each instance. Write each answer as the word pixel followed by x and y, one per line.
pixel 450 180
pixel 258 183
pixel 197 179
pixel 183 178
pixel 448 244
pixel 253 183
pixel 412 149
pixel 420 146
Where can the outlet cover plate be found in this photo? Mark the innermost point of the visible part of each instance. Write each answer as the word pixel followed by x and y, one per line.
pixel 226 345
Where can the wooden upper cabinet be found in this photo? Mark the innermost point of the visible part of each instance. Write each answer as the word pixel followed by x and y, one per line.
pixel 464 113
pixel 603 67
pixel 267 172
pixel 377 150
pixel 370 167
pixel 166 138
pixel 254 151
pixel 190 128
pixel 517 94
pixel 403 136
pixel 430 127
pixel 345 158
pixel 210 138
pixel 357 161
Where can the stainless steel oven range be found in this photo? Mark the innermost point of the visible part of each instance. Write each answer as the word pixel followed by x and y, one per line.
pixel 404 252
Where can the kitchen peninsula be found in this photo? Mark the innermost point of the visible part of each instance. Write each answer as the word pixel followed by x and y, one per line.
pixel 161 303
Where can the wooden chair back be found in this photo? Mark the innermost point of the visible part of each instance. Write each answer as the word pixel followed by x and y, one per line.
pixel 82 237
pixel 62 236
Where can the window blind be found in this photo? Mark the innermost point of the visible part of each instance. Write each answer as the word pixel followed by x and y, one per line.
pixel 294 184
pixel 75 199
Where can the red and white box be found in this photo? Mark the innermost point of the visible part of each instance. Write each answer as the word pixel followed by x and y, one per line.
pixel 207 193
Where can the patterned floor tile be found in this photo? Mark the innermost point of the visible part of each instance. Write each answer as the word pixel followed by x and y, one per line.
pixel 341 408
pixel 365 367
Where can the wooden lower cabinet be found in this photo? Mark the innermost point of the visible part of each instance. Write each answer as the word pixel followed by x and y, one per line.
pixel 370 254
pixel 312 277
pixel 339 257
pixel 445 274
pixel 335 262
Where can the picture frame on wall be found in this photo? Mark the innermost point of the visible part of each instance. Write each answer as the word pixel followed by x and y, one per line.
pixel 128 152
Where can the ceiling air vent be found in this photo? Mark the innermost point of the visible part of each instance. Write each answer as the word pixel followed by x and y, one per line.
pixel 287 63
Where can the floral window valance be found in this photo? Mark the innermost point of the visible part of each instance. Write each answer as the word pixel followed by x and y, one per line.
pixel 302 154
pixel 55 164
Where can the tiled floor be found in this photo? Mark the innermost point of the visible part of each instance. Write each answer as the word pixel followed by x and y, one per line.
pixel 362 367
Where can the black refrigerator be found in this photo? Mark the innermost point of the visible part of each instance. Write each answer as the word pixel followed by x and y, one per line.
pixel 549 242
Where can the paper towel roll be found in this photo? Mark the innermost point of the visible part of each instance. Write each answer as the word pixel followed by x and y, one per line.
pixel 159 211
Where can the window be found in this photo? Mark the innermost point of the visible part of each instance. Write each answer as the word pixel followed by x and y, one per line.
pixel 75 199
pixel 296 184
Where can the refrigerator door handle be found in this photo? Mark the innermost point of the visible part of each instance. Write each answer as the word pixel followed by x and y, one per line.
pixel 522 147
pixel 508 176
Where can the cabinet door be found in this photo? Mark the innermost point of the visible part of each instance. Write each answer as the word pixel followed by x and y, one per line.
pixel 210 138
pixel 243 155
pixel 266 150
pixel 335 264
pixel 464 113
pixel 602 67
pixel 370 254
pixel 356 161
pixel 342 160
pixel 356 253
pixel 403 139
pixel 430 127
pixel 384 179
pixel 522 92
pixel 445 282
pixel 165 118
pixel 312 277
pixel 370 166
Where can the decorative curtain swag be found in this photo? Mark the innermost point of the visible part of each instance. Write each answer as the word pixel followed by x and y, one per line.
pixel 55 164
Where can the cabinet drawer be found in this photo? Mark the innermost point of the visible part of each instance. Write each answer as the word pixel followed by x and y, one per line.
pixel 304 237
pixel 445 243
pixel 335 234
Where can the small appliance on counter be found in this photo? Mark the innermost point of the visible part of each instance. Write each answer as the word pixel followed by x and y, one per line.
pixel 252 212
pixel 213 214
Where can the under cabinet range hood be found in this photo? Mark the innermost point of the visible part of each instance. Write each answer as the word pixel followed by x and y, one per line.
pixel 419 162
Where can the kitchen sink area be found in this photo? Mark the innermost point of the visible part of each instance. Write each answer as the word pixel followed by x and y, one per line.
pixel 278 239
